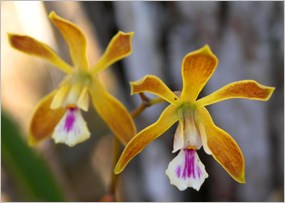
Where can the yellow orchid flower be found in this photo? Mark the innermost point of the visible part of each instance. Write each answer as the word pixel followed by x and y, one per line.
pixel 195 125
pixel 59 113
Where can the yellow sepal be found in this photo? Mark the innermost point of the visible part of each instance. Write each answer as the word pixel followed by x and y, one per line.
pixel 197 68
pixel 112 112
pixel 44 120
pixel 245 89
pixel 119 47
pixel 34 47
pixel 75 39
pixel 223 147
pixel 154 85
pixel 167 118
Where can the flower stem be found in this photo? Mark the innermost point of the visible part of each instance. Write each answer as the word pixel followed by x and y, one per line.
pixel 146 102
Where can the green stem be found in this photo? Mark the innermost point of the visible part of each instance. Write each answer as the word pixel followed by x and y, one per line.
pixel 146 102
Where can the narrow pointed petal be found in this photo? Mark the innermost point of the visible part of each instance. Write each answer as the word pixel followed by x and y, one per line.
pixel 203 135
pixel 119 47
pixel 34 47
pixel 113 112
pixel 83 100
pixel 167 118
pixel 72 129
pixel 44 120
pixel 197 69
pixel 178 142
pixel 186 170
pixel 60 96
pixel 223 147
pixel 75 39
pixel 245 89
pixel 154 85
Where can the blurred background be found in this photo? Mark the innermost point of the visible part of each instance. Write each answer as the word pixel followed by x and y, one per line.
pixel 247 37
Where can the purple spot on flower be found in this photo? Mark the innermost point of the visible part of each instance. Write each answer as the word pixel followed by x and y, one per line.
pixel 189 169
pixel 178 171
pixel 70 119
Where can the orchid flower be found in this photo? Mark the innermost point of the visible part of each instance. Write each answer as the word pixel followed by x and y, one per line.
pixel 195 125
pixel 59 113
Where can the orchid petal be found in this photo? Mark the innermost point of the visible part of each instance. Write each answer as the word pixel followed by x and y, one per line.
pixel 223 147
pixel 60 96
pixel 113 112
pixel 178 142
pixel 119 47
pixel 203 137
pixel 44 119
pixel 75 39
pixel 245 89
pixel 197 68
pixel 167 118
pixel 186 170
pixel 154 85
pixel 83 100
pixel 34 47
pixel 72 129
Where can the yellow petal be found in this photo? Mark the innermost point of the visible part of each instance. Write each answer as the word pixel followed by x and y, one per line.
pixel 223 147
pixel 34 47
pixel 83 100
pixel 197 69
pixel 119 47
pixel 154 85
pixel 113 112
pixel 60 96
pixel 147 135
pixel 246 89
pixel 44 119
pixel 74 38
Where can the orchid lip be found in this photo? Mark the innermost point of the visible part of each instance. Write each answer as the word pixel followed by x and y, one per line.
pixel 186 170
pixel 72 129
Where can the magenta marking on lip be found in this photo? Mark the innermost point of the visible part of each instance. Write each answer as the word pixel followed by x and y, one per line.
pixel 70 119
pixel 178 171
pixel 189 169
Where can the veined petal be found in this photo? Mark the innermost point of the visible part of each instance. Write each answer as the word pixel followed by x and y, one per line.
pixel 186 170
pixel 154 85
pixel 223 147
pixel 245 89
pixel 197 68
pixel 34 47
pixel 167 118
pixel 113 112
pixel 72 129
pixel 74 38
pixel 44 119
pixel 119 47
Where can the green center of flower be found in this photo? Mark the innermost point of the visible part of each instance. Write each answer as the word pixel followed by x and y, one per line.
pixel 186 109
pixel 81 76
